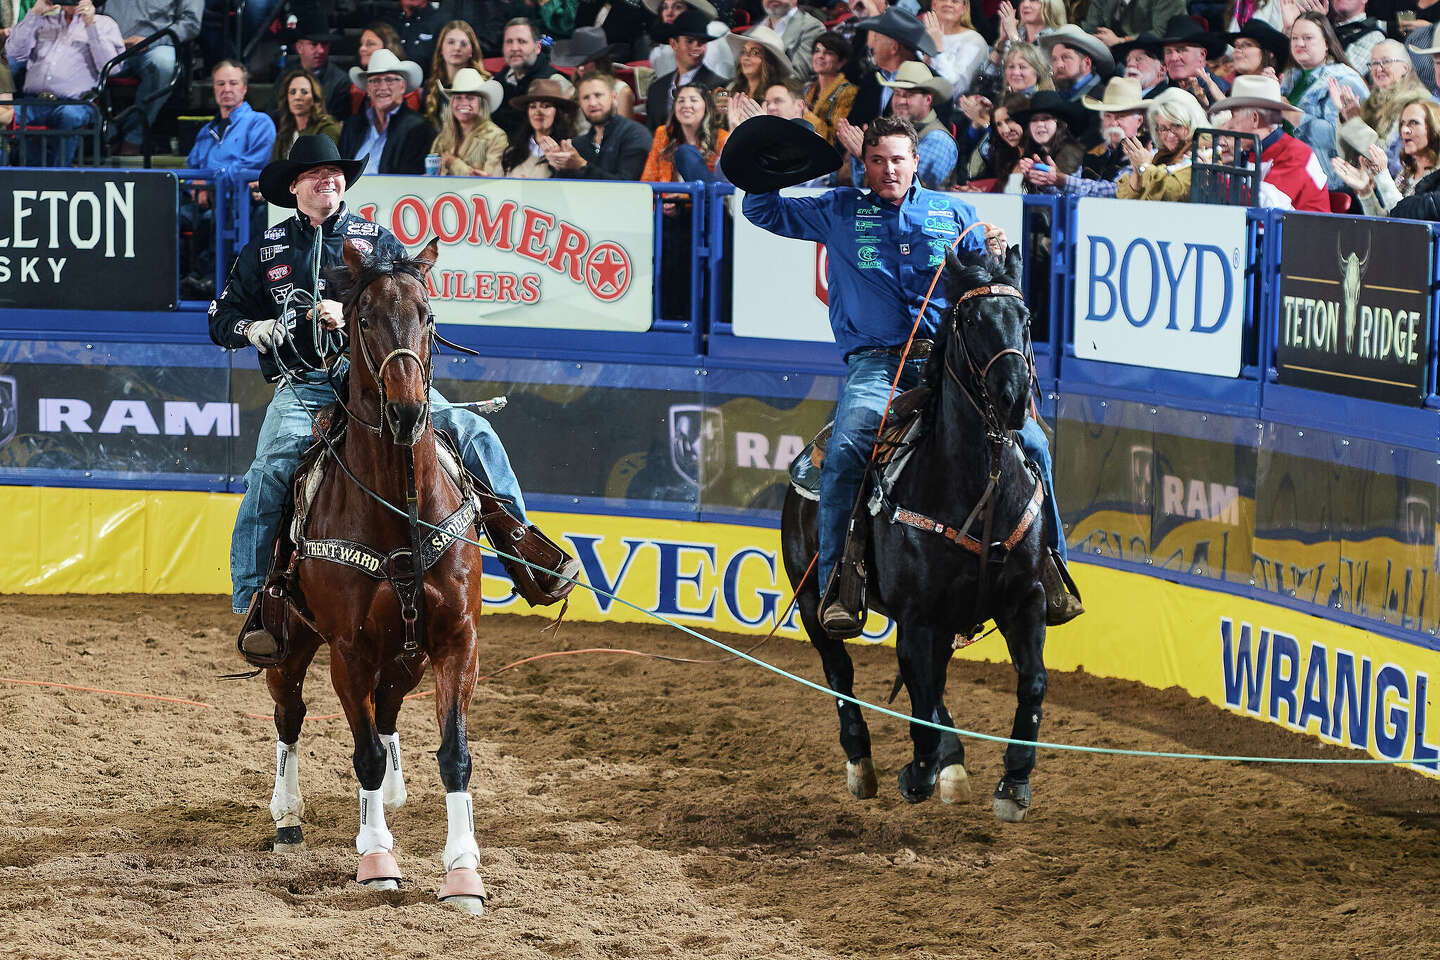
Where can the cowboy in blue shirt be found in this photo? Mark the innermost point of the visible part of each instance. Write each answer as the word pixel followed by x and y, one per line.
pixel 884 246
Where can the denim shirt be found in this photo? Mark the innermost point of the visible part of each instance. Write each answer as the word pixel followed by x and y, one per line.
pixel 881 256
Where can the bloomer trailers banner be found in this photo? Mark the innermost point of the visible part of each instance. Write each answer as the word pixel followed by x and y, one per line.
pixel 1164 290
pixel 534 253
pixel 67 235
pixel 1355 307
pixel 781 286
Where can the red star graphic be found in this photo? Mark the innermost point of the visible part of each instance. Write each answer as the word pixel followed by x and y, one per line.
pixel 607 273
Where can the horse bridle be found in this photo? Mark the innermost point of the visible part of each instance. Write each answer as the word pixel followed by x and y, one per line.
pixel 994 429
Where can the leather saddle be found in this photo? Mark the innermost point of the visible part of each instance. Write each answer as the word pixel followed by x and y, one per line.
pixel 900 426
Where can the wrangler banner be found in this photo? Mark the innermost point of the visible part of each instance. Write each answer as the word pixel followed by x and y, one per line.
pixel 533 253
pixel 1354 307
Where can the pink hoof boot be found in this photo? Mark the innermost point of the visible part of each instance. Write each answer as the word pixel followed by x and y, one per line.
pixel 378 867
pixel 463 888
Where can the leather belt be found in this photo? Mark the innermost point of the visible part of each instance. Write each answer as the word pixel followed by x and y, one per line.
pixel 919 350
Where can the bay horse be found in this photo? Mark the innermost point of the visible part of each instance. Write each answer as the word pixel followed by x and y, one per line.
pixel 923 563
pixel 384 622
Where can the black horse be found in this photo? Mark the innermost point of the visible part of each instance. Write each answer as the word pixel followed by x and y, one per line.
pixel 929 581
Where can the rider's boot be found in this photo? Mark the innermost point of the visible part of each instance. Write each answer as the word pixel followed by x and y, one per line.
pixel 257 643
pixel 551 578
pixel 1062 597
pixel 843 612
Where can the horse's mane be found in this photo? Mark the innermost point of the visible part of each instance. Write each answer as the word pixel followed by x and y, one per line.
pixel 346 287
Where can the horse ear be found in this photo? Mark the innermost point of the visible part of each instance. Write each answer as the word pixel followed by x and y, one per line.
pixel 426 258
pixel 1013 267
pixel 354 259
pixel 953 266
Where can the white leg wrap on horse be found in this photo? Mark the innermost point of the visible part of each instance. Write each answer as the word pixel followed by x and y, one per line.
pixel 460 847
pixel 286 804
pixel 373 835
pixel 394 786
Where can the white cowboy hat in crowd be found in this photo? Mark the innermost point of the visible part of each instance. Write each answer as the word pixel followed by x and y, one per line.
pixel 1253 93
pixel 1425 50
pixel 383 61
pixel 766 38
pixel 469 80
pixel 1122 94
pixel 706 8
pixel 914 75
pixel 1076 39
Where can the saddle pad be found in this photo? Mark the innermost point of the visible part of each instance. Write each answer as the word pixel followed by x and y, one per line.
pixel 901 425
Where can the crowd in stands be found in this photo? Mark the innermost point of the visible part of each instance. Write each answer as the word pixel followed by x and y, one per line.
pixel 1089 97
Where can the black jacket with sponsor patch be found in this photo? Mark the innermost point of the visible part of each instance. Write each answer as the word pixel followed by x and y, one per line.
pixel 281 260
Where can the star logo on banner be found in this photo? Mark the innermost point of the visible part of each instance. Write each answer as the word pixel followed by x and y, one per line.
pixel 607 272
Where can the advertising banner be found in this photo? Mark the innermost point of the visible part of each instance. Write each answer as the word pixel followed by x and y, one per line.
pixel 569 254
pixel 1354 307
pixel 1166 290
pixel 89 240
pixel 781 290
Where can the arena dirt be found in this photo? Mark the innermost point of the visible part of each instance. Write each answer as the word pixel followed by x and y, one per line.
pixel 633 808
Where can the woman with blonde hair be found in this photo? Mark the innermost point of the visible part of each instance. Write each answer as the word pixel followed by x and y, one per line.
pixel 457 49
pixel 470 144
pixel 1419 154
pixel 1377 119
pixel 301 111
pixel 962 49
pixel 1175 115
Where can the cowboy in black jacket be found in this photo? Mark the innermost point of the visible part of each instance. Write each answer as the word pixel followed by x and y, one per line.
pixel 687 37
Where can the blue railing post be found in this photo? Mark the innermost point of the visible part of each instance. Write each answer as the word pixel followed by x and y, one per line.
pixel 699 258
pixel 223 230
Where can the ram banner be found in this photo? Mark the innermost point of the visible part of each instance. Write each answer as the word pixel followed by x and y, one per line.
pixel 781 286
pixel 1165 290
pixel 535 253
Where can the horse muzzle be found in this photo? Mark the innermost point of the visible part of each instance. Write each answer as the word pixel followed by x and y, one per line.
pixel 407 421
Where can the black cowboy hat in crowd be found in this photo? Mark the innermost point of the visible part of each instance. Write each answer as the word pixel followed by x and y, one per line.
pixel 310 27
pixel 308 153
pixel 766 153
pixel 904 28
pixel 1267 36
pixel 691 23
pixel 1048 101
pixel 1148 42
pixel 1181 28
pixel 588 44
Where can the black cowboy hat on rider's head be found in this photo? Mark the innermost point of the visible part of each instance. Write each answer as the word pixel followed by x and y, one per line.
pixel 1181 28
pixel 766 153
pixel 308 153
pixel 1048 101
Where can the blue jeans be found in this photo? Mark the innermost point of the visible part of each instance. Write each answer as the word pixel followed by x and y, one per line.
pixel 60 151
pixel 857 419
pixel 155 67
pixel 284 436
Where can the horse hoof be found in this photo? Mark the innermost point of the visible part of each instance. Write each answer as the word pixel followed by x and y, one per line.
pixel 954 784
pixel 464 890
pixel 379 871
pixel 289 840
pixel 1012 801
pixel 860 778
pixel 916 788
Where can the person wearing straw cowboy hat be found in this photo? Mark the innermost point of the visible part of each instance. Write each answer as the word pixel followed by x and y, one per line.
pixel 1292 172
pixel 761 61
pixel 1122 118
pixel 469 141
pixel 884 245
pixel 1079 63
pixel 393 137
pixel 892 38
pixel 274 300
pixel 915 91
pixel 688 34
pixel 797 31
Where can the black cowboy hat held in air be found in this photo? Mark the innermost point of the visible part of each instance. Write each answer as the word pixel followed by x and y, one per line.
pixel 766 153
pixel 308 153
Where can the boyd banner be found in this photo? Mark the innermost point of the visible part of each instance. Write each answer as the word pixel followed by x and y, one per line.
pixel 534 253
pixel 781 286
pixel 87 240
pixel 1354 307
pixel 1164 290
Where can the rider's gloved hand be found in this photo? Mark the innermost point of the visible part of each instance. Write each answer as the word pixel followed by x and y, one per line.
pixel 265 334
